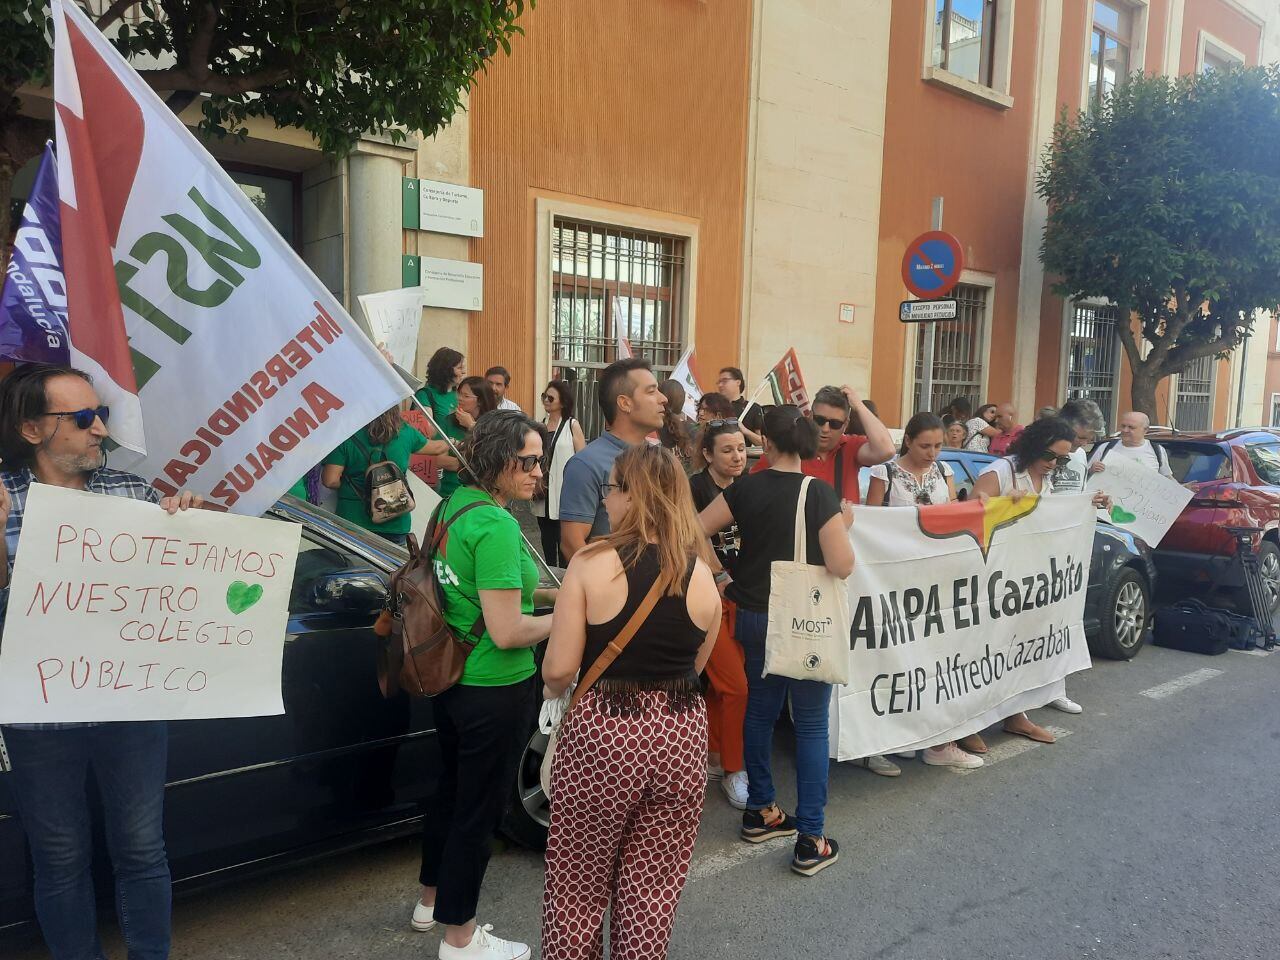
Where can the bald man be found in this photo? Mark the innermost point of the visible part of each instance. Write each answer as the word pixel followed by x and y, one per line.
pixel 1134 445
pixel 1006 417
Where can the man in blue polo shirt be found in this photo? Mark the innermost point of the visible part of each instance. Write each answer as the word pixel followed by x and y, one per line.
pixel 632 406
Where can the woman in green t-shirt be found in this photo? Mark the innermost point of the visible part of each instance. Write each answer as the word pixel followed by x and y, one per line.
pixel 445 370
pixel 474 398
pixel 386 438
pixel 485 568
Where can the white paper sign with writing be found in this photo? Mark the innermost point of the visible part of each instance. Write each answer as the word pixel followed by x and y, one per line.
pixel 1143 501
pixel 395 317
pixel 118 611
pixel 963 614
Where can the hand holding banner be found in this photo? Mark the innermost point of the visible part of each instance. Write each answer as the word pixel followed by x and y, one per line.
pixel 126 613
pixel 1143 501
pixel 395 318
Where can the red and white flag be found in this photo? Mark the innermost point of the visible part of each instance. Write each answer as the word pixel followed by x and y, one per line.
pixel 686 374
pixel 190 311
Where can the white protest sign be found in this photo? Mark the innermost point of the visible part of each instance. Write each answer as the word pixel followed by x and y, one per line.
pixel 118 611
pixel 963 614
pixel 1143 501
pixel 394 318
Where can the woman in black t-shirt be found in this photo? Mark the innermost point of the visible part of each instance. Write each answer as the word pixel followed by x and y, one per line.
pixel 764 508
pixel 725 450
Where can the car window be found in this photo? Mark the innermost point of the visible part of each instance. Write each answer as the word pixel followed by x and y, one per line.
pixel 316 558
pixel 1197 462
pixel 1266 460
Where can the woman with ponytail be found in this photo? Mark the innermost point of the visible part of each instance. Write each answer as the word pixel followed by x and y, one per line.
pixel 764 506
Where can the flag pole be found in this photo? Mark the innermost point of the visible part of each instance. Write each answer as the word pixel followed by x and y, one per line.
pixel 751 400
pixel 463 460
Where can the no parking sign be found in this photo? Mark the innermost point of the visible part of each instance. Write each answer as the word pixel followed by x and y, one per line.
pixel 932 264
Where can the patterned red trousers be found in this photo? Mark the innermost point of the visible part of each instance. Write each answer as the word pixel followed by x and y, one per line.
pixel 627 795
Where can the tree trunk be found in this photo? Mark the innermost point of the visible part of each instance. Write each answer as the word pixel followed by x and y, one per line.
pixel 1142 392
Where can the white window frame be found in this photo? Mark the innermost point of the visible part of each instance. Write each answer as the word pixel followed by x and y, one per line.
pixel 1140 18
pixel 972 278
pixel 1207 43
pixel 997 95
pixel 547 208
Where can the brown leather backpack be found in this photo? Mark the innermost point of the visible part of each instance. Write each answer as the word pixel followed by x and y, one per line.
pixel 420 653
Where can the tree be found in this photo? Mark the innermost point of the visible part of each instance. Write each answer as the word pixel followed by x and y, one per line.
pixel 1167 203
pixel 334 68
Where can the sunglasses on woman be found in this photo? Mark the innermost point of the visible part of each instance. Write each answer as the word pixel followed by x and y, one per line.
pixel 528 462
pixel 832 422
pixel 549 398
pixel 1050 457
pixel 83 419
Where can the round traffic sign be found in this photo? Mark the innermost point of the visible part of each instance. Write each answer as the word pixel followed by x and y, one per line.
pixel 932 264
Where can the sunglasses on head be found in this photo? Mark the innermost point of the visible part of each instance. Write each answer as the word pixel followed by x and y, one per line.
pixel 83 419
pixel 829 421
pixel 527 463
pixel 712 424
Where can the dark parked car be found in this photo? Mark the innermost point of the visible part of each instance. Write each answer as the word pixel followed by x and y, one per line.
pixel 340 768
pixel 1122 574
pixel 1235 479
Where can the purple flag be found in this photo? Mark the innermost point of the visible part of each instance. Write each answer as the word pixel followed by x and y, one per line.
pixel 33 303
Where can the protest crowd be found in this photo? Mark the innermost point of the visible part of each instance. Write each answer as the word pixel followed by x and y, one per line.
pixel 679 542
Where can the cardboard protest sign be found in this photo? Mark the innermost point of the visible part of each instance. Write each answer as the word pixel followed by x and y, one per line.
pixel 1143 501
pixel 963 613
pixel 118 611
pixel 394 319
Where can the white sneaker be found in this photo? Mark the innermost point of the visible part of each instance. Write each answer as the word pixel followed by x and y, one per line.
pixel 1066 705
pixel 880 766
pixel 950 755
pixel 485 946
pixel 906 755
pixel 424 917
pixel 735 788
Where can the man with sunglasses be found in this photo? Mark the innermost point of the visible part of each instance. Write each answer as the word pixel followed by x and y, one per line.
pixel 52 426
pixel 841 454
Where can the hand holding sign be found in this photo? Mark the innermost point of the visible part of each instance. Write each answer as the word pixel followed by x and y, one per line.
pixel 1142 500
pixel 119 612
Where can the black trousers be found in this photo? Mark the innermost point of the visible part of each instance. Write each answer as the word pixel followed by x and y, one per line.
pixel 481 731
pixel 550 541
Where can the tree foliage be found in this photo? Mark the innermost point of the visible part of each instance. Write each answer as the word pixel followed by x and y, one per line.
pixel 334 68
pixel 1166 201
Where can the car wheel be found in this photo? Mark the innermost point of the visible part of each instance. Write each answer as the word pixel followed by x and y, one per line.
pixel 529 814
pixel 1124 617
pixel 1269 567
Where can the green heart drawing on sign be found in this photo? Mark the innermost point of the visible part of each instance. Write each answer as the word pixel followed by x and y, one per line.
pixel 241 596
pixel 1120 515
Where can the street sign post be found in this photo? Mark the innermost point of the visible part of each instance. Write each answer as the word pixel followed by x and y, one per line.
pixel 931 268
pixel 926 311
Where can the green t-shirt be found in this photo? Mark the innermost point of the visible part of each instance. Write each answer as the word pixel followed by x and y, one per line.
pixel 484 551
pixel 441 402
pixel 449 478
pixel 353 503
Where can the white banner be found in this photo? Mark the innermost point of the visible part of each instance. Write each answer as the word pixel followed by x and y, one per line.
pixel 118 611
pixel 963 614
pixel 395 318
pixel 1143 501
pixel 686 374
pixel 249 371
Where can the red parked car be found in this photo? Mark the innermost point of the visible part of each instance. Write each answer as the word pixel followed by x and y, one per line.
pixel 1235 476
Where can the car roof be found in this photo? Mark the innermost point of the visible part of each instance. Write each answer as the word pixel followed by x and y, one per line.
pixel 1238 435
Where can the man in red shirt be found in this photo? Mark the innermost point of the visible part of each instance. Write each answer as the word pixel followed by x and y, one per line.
pixel 840 454
pixel 1005 417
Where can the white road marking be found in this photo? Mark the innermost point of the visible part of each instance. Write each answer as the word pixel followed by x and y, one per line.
pixel 1253 652
pixel 1009 748
pixel 1181 683
pixel 717 863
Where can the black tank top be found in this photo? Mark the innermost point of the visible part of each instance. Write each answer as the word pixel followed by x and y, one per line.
pixel 663 652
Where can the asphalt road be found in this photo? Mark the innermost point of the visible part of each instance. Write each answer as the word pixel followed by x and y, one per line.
pixel 1145 832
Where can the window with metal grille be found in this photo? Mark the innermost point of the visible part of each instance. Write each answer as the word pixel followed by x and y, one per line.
pixel 1093 354
pixel 612 287
pixel 1194 407
pixel 958 351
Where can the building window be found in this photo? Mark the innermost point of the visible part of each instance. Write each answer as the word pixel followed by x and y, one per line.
pixel 1275 410
pixel 276 194
pixel 1109 49
pixel 964 38
pixel 1193 408
pixel 1093 354
pixel 608 284
pixel 958 351
pixel 1217 56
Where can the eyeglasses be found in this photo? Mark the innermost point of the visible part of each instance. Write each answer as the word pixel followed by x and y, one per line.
pixel 83 418
pixel 549 398
pixel 528 463
pixel 712 424
pixel 829 421
pixel 1050 457
pixel 607 488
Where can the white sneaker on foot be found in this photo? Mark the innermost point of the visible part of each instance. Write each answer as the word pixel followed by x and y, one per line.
pixel 485 946
pixel 880 766
pixel 906 755
pixel 734 786
pixel 424 917
pixel 1066 705
pixel 950 755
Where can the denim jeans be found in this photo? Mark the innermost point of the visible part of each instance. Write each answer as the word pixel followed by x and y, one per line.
pixel 50 774
pixel 810 709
